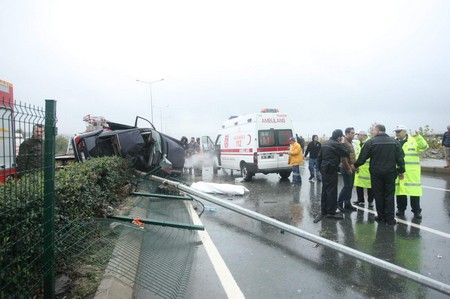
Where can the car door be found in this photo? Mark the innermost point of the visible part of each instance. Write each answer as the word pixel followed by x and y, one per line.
pixel 211 152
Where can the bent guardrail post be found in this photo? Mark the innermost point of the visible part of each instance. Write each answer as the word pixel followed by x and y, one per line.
pixel 158 195
pixel 419 278
pixel 151 172
pixel 158 222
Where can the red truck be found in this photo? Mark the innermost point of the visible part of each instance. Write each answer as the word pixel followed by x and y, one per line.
pixel 7 134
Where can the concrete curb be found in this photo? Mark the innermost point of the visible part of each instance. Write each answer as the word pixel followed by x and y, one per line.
pixel 115 284
pixel 436 170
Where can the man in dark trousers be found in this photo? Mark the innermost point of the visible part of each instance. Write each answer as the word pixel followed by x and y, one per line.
pixel 313 150
pixel 348 173
pixel 301 141
pixel 329 158
pixel 386 163
pixel 446 146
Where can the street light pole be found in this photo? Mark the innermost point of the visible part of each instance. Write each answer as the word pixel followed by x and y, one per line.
pixel 151 99
pixel 160 115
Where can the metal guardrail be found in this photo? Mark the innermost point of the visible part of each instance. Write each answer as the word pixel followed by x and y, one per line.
pixel 424 280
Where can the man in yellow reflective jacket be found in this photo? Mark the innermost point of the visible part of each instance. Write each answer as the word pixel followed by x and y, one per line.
pixel 362 177
pixel 411 185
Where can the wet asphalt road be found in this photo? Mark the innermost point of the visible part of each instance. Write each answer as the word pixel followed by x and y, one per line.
pixel 267 263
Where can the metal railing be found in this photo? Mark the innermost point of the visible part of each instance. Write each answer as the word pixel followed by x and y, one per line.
pixel 27 173
pixel 419 278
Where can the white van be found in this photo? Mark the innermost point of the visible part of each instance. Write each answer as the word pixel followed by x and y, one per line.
pixel 253 143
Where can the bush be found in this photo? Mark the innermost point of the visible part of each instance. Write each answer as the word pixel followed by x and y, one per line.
pixel 82 191
pixel 61 144
pixel 96 182
pixel 434 140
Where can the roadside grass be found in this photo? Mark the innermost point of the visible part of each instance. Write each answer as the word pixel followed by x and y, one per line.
pixel 86 271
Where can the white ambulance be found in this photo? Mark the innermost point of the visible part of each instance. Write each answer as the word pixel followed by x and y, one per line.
pixel 253 143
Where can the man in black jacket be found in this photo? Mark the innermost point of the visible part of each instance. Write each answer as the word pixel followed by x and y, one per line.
pixel 386 163
pixel 313 150
pixel 31 152
pixel 329 159
pixel 446 147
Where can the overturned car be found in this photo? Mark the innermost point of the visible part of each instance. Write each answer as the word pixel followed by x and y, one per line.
pixel 146 148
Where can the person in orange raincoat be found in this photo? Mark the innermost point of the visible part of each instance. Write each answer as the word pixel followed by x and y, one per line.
pixel 295 159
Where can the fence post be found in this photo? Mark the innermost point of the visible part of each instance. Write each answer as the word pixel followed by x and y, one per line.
pixel 49 199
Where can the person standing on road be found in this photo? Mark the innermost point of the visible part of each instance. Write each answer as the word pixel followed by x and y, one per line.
pixel 348 173
pixel 328 160
pixel 411 185
pixel 31 153
pixel 198 157
pixel 301 141
pixel 446 146
pixel 386 163
pixel 313 149
pixel 295 159
pixel 185 146
pixel 189 153
pixel 362 177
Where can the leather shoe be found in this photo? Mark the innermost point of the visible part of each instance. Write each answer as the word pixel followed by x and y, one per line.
pixel 358 203
pixel 378 219
pixel 335 216
pixel 318 218
pixel 370 205
pixel 417 215
pixel 400 213
pixel 350 208
pixel 340 208
pixel 391 222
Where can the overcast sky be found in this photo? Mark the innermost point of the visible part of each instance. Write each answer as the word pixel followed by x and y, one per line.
pixel 329 64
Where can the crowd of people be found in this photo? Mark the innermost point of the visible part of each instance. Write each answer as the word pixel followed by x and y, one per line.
pixel 193 156
pixel 388 168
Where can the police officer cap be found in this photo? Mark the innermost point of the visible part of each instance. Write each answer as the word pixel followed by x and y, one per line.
pixel 337 133
pixel 361 132
pixel 401 128
pixel 291 139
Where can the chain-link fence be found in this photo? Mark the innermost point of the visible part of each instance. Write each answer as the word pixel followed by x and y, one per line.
pixel 27 171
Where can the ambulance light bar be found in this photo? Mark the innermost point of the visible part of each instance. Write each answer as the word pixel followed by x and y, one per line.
pixel 269 110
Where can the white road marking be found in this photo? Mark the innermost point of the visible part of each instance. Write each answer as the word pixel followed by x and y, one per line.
pixel 421 227
pixel 226 278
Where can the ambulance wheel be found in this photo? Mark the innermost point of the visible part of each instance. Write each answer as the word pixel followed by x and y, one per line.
pixel 285 174
pixel 247 175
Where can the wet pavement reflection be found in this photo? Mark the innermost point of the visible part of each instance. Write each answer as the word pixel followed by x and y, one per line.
pixel 255 251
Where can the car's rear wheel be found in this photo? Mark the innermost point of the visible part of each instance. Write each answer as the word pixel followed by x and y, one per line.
pixel 285 174
pixel 246 174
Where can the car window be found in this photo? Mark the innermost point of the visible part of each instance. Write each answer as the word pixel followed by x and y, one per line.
pixel 274 137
